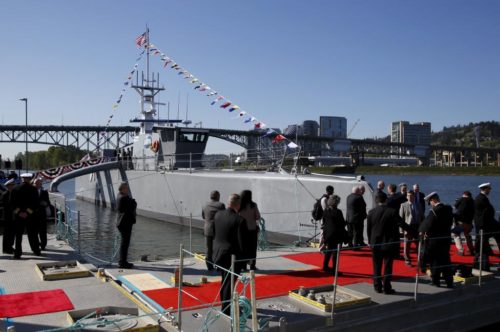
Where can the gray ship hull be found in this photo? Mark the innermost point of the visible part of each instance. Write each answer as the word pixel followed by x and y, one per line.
pixel 285 200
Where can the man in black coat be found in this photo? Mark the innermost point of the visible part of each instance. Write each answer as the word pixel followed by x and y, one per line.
pixel 355 215
pixel 463 219
pixel 484 219
pixel 333 232
pixel 9 226
pixel 125 220
pixel 436 232
pixel 208 214
pixel 42 213
pixel 24 202
pixel 383 224
pixel 229 229
pixel 394 199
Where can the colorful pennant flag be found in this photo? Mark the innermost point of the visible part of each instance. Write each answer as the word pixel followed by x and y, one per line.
pixel 292 145
pixel 216 100
pixel 233 108
pixel 278 138
pixel 226 104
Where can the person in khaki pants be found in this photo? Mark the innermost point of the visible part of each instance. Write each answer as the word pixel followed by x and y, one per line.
pixel 412 214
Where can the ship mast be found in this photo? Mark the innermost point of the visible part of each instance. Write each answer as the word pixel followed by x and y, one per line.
pixel 147 87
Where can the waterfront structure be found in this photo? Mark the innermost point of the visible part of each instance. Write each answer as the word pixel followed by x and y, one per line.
pixel 333 126
pixel 293 130
pixel 310 128
pixel 411 133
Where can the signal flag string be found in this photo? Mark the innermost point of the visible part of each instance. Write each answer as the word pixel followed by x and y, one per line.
pixel 218 100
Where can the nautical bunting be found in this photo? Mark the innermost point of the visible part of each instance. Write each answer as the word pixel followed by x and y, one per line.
pixel 221 101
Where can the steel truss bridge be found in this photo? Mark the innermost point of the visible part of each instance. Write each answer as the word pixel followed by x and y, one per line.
pixel 95 138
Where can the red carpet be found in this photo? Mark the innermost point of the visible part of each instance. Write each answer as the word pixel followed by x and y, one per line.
pixel 34 303
pixel 356 267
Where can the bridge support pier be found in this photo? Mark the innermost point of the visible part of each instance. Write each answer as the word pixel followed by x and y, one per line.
pixel 100 198
pixel 111 192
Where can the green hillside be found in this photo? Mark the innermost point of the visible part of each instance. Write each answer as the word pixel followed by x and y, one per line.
pixel 464 135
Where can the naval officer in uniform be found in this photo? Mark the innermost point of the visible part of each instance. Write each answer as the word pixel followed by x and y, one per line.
pixel 25 205
pixel 436 230
pixel 484 219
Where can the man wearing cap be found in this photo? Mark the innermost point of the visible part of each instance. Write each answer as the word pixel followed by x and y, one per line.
pixel 436 233
pixel 9 231
pixel 484 219
pixel 25 204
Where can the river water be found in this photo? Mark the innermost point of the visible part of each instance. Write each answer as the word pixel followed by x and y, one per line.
pixel 159 239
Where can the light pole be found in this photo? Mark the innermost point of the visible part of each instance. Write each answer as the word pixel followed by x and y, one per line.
pixel 26 133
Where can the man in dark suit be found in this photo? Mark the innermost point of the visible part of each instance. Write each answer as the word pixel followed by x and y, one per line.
pixel 42 213
pixel 355 215
pixel 394 199
pixel 9 229
pixel 380 187
pixel 24 202
pixel 383 224
pixel 125 221
pixel 228 240
pixel 419 196
pixel 484 219
pixel 437 235
pixel 208 214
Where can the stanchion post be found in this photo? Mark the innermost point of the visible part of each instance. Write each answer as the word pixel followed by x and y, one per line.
pixel 334 297
pixel 419 250
pixel 179 293
pixel 79 233
pixel 255 322
pixel 233 262
pixel 191 232
pixel 190 161
pixel 481 237
pixel 236 312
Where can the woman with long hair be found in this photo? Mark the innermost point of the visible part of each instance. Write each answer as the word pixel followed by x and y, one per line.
pixel 250 212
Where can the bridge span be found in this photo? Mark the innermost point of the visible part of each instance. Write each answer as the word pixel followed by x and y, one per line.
pixel 95 138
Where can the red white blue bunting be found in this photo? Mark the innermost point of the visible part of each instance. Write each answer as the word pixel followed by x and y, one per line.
pixel 217 99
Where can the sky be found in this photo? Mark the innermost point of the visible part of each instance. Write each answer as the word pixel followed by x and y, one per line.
pixel 283 61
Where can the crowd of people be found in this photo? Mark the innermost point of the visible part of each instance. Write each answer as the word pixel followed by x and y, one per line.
pixel 26 208
pixel 233 230
pixel 404 211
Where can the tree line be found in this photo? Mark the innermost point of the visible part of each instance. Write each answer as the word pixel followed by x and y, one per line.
pixel 55 156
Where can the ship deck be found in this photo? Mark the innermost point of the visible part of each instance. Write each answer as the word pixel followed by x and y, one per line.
pixel 280 271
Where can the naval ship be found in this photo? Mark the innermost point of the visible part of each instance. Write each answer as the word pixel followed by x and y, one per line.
pixel 170 181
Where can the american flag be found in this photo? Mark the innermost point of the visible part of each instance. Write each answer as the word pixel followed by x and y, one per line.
pixel 141 40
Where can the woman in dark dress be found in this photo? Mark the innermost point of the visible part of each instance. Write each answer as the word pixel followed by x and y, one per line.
pixel 126 219
pixel 250 212
pixel 333 231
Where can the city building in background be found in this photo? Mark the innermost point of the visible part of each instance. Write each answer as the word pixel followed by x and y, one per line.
pixel 411 133
pixel 310 128
pixel 333 126
pixel 293 130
